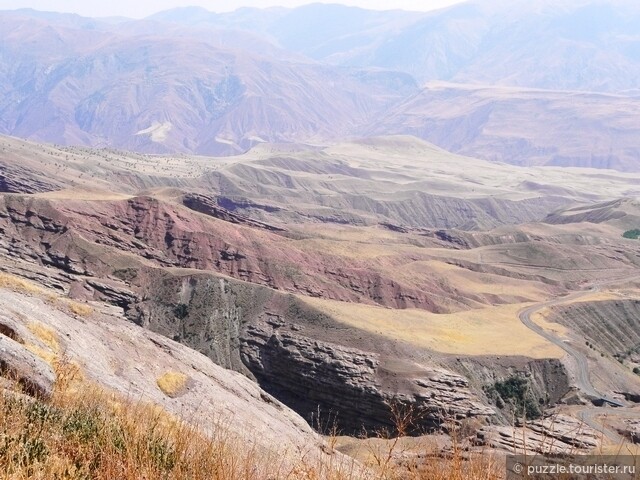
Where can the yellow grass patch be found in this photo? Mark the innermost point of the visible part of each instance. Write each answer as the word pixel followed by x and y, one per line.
pixel 44 353
pixel 45 334
pixel 488 331
pixel 594 297
pixel 476 282
pixel 172 383
pixel 49 348
pixel 18 284
pixel 81 309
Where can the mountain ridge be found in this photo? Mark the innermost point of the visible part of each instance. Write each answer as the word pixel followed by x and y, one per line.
pixel 194 81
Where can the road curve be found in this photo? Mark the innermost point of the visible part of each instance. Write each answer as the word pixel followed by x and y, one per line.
pixel 579 359
pixel 583 382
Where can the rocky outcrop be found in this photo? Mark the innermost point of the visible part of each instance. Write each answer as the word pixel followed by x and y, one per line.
pixel 211 206
pixel 545 381
pixel 630 430
pixel 336 383
pixel 557 434
pixel 15 179
pixel 122 358
pixel 17 363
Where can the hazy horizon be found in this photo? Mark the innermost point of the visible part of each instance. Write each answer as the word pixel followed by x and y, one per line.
pixel 144 8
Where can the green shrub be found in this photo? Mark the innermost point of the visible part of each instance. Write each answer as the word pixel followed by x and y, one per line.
pixel 82 424
pixel 515 391
pixel 632 234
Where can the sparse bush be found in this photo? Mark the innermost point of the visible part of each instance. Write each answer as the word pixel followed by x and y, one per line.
pixel 516 392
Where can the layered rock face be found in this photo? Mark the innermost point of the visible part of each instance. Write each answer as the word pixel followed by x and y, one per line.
pixel 72 237
pixel 547 382
pixel 612 325
pixel 558 434
pixel 263 334
pixel 311 375
pixel 16 179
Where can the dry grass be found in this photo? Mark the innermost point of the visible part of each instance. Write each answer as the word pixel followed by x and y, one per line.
pixel 17 284
pixel 49 346
pixel 542 318
pixel 172 383
pixel 44 353
pixel 477 283
pixel 86 432
pixel 80 309
pixel 456 466
pixel 425 458
pixel 46 335
pixel 493 330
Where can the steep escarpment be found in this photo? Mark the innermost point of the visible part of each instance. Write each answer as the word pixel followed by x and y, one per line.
pixel 612 325
pixel 272 337
pixel 309 374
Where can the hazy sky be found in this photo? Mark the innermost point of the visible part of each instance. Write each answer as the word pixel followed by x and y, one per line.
pixel 142 8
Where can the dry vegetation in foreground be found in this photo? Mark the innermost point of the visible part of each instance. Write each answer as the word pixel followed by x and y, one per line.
pixel 84 432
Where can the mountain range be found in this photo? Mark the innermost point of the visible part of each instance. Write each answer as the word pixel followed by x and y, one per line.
pixel 527 83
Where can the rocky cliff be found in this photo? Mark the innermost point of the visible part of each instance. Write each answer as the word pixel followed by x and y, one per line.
pixel 270 337
pixel 310 376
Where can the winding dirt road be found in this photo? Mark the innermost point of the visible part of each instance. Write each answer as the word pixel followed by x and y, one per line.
pixel 582 380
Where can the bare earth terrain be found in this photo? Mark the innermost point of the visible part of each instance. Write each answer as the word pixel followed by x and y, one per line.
pixel 336 282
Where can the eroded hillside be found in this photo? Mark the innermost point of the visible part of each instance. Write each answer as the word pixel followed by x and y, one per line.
pixel 291 267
